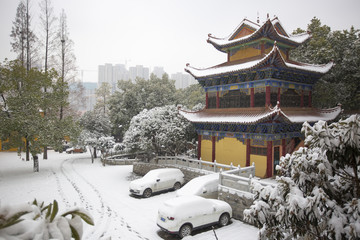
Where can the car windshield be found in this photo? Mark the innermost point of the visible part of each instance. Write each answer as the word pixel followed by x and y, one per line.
pixel 151 175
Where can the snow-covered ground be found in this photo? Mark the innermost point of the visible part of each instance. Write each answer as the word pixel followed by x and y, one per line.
pixel 104 191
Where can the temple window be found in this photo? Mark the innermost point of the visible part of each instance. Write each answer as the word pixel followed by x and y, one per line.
pixel 212 100
pixel 273 96
pixel 235 98
pixel 306 98
pixel 290 98
pixel 258 151
pixel 259 97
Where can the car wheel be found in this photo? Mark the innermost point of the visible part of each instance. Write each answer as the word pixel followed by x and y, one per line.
pixel 177 186
pixel 185 230
pixel 224 219
pixel 147 193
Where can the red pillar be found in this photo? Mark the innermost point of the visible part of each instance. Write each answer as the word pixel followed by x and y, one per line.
pixel 248 152
pixel 217 100
pixel 252 102
pixel 269 165
pixel 199 147
pixel 310 99
pixel 207 100
pixel 302 99
pixel 267 94
pixel 213 139
pixel 283 147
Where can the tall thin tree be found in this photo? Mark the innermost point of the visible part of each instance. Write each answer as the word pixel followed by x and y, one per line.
pixel 23 43
pixel 47 20
pixel 67 67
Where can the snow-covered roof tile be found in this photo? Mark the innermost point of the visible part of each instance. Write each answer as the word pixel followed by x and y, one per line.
pixel 256 115
pixel 267 26
pixel 231 67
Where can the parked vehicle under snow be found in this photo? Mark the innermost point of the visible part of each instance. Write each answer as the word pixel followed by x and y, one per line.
pixel 183 214
pixel 157 180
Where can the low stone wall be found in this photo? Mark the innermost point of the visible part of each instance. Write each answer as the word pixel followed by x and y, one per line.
pixel 120 162
pixel 143 168
pixel 238 200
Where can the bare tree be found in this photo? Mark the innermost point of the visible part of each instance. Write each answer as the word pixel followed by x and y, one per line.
pixel 48 37
pixel 67 67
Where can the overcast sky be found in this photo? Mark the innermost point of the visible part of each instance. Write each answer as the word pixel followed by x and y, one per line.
pixel 169 33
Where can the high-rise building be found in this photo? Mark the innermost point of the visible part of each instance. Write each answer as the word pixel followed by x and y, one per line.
pixel 158 71
pixel 182 80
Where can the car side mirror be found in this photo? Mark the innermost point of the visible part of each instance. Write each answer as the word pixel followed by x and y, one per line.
pixel 158 180
pixel 204 190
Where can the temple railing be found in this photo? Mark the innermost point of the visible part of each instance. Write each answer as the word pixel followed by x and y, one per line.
pixel 205 165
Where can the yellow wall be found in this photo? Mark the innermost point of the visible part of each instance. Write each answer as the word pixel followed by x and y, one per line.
pixel 206 150
pixel 9 150
pixel 260 165
pixel 245 53
pixel 230 150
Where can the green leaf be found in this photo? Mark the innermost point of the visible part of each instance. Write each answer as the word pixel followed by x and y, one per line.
pixel 55 210
pixel 48 211
pixel 13 220
pixel 74 233
pixel 83 216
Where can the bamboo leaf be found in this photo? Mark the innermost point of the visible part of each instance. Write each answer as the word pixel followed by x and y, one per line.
pixel 48 211
pixel 55 210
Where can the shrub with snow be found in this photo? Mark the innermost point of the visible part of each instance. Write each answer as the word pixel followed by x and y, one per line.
pixel 161 130
pixel 318 190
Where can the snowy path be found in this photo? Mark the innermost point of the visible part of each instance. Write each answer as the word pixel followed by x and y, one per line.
pixel 103 191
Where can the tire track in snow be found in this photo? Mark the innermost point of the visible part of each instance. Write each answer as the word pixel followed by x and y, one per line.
pixel 61 190
pixel 106 215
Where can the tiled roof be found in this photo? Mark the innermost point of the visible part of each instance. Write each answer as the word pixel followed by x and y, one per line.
pixel 273 57
pixel 256 115
pixel 267 29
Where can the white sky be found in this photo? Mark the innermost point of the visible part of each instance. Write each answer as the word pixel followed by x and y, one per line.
pixel 169 33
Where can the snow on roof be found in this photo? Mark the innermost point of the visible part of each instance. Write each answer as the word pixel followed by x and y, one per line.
pixel 268 25
pixel 256 115
pixel 244 66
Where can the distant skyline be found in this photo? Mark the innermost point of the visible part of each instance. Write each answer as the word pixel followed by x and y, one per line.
pixel 168 33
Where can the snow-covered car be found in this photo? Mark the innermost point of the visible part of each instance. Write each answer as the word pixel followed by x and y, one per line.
pixel 75 150
pixel 184 214
pixel 204 186
pixel 157 180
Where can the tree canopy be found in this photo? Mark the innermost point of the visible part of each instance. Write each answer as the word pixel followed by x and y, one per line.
pixel 342 83
pixel 161 130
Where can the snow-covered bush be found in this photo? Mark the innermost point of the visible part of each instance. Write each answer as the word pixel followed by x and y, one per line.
pixel 160 130
pixel 37 221
pixel 318 190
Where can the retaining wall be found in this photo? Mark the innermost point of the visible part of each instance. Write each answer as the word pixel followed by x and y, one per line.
pixel 238 200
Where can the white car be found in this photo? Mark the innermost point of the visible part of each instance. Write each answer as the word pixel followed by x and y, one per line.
pixel 204 186
pixel 157 180
pixel 183 214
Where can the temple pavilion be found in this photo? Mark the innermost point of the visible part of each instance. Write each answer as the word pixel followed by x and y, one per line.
pixel 256 101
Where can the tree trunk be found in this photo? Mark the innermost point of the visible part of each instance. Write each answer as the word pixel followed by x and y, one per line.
pixel 36 163
pixel 95 156
pixel 27 149
pixel 45 156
